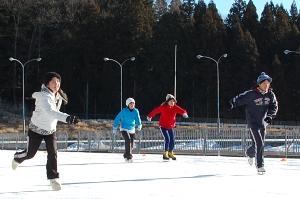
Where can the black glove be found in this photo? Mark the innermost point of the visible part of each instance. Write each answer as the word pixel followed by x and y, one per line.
pixel 71 119
pixel 230 105
pixel 268 119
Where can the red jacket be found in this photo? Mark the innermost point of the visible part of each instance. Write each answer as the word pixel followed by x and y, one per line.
pixel 167 115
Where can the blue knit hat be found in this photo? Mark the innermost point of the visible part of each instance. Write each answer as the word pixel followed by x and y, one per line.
pixel 262 77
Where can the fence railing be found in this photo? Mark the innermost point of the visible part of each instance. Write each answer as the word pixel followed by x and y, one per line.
pixel 203 140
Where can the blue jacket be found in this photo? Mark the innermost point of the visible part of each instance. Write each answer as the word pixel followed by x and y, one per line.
pixel 258 105
pixel 129 120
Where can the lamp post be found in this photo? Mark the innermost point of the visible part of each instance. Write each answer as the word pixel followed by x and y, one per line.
pixel 290 51
pixel 175 71
pixel 218 83
pixel 23 83
pixel 121 68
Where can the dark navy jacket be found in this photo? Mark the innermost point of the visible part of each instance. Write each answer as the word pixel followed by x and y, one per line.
pixel 258 105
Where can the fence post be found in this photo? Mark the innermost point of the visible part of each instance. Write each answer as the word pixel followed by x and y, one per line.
pixel 139 146
pixel 17 141
pixel 113 137
pixel 246 133
pixel 204 142
pixel 244 141
pixel 66 143
pixel 2 142
pixel 89 141
pixel 78 140
pixel 286 144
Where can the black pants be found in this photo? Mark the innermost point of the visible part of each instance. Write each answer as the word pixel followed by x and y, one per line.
pixel 257 147
pixel 129 139
pixel 34 141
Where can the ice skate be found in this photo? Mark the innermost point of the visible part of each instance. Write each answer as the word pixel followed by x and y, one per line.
pixel 14 164
pixel 261 171
pixel 166 155
pixel 171 155
pixel 55 185
pixel 250 160
pixel 128 160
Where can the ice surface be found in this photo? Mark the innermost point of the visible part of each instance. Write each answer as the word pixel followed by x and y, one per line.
pixel 107 175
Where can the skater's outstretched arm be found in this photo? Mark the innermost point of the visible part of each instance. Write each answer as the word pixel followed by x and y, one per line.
pixel 240 100
pixel 155 111
pixel 180 111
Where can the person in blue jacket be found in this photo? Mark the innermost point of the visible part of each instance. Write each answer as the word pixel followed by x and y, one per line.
pixel 129 120
pixel 261 108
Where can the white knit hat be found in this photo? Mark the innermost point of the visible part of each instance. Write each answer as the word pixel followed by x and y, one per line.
pixel 129 100
pixel 169 97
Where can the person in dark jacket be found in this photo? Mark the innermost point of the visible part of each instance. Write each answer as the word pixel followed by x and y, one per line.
pixel 261 108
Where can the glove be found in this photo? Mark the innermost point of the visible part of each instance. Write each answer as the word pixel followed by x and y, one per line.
pixel 114 131
pixel 71 119
pixel 139 128
pixel 230 105
pixel 185 115
pixel 149 119
pixel 268 120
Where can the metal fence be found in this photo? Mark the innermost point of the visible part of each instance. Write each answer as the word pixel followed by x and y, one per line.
pixel 203 139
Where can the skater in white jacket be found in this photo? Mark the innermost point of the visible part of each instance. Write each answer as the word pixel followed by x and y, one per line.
pixel 43 125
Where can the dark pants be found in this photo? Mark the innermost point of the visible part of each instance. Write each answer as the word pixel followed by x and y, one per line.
pixel 169 138
pixel 129 139
pixel 257 147
pixel 34 141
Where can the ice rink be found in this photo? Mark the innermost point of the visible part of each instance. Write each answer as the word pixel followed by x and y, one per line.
pixel 106 175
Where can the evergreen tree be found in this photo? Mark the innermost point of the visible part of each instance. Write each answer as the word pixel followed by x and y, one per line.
pixel 73 37
pixel 294 13
pixel 175 6
pixel 237 10
pixel 160 8
pixel 282 25
pixel 250 19
pixel 210 38
pixel 266 41
pixel 199 26
pixel 188 9
pixel 244 56
pixel 200 10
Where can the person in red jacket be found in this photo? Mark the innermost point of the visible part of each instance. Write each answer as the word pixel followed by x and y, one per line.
pixel 168 111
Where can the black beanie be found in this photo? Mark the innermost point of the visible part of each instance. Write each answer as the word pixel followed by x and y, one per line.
pixel 48 77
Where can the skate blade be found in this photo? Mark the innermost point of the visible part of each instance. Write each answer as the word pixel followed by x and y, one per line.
pixel 261 173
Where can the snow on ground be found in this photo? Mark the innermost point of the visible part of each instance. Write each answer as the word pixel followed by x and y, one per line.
pixel 106 175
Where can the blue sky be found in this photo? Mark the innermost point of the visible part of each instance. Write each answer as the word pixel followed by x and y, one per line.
pixel 225 5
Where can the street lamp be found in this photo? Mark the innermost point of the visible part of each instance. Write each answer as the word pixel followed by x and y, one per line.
pixel 290 51
pixel 23 84
pixel 121 67
pixel 218 83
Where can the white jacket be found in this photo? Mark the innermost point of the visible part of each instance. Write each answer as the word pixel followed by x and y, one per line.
pixel 46 114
